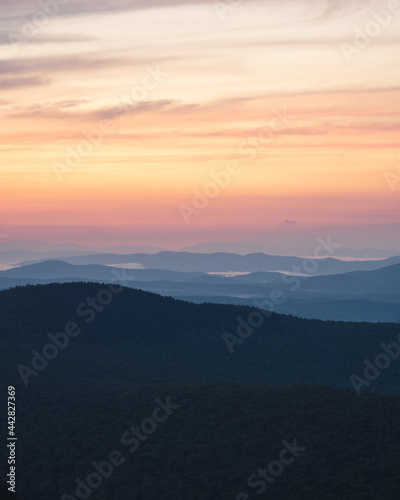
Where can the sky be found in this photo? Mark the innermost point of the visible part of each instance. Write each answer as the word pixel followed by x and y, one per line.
pixel 174 122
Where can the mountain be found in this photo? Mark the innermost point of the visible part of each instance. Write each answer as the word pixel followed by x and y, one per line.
pixel 148 384
pixel 12 252
pixel 54 269
pixel 225 262
pixel 15 251
pixel 159 338
pixel 381 281
pixel 366 253
pixel 369 241
pixel 290 246
pixel 45 246
pixel 312 306
pixel 12 257
pixel 356 296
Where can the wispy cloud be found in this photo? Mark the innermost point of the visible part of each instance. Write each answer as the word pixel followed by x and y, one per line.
pixel 41 39
pixel 316 8
pixel 17 82
pixel 329 10
pixel 54 64
pixel 69 110
pixel 12 11
pixel 46 109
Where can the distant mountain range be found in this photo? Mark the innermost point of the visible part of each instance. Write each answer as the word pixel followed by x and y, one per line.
pixel 54 269
pixel 270 245
pixel 377 282
pixel 226 262
pixel 380 281
pixel 44 246
pixel 368 241
pixel 12 252
pixel 354 296
pixel 284 242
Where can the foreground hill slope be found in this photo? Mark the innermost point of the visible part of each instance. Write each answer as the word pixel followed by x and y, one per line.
pixel 224 424
pixel 142 337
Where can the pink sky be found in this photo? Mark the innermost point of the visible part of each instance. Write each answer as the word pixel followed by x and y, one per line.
pixel 173 95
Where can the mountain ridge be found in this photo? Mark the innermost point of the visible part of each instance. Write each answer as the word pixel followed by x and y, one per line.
pixel 207 342
pixel 225 262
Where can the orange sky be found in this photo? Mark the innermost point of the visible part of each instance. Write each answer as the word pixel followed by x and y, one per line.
pixel 172 95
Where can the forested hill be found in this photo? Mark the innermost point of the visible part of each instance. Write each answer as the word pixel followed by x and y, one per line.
pixel 136 336
pixel 91 367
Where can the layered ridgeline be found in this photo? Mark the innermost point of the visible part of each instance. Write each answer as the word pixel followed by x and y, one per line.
pixel 369 295
pixel 127 394
pixel 221 261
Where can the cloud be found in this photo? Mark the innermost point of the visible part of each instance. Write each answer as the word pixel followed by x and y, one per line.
pixel 70 110
pixel 310 42
pixel 134 107
pixel 290 222
pixel 10 10
pixel 10 37
pixel 26 72
pixel 55 109
pixel 318 11
pixel 12 83
pixel 57 64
